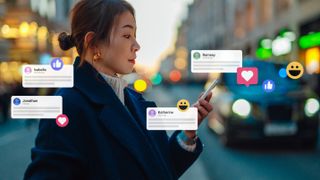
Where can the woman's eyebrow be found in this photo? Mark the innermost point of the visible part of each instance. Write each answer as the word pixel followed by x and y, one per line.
pixel 128 26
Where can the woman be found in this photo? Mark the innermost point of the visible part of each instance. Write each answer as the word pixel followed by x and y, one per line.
pixel 106 137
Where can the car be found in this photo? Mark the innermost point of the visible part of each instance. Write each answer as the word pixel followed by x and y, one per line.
pixel 244 114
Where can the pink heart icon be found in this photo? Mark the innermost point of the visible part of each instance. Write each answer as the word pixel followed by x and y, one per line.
pixel 247 75
pixel 62 120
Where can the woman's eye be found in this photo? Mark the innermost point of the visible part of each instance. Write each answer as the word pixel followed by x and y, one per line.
pixel 127 36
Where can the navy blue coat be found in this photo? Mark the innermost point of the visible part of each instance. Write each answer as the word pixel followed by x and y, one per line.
pixel 105 139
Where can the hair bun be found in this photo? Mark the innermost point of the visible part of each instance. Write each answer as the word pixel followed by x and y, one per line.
pixel 65 41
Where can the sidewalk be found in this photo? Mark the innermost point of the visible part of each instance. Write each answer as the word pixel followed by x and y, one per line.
pixel 16 141
pixel 195 172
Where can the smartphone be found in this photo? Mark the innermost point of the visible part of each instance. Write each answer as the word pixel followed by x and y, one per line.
pixel 212 85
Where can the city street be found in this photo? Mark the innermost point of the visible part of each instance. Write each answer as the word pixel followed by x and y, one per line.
pixel 261 59
pixel 216 162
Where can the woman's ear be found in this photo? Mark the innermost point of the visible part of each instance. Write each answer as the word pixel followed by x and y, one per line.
pixel 88 39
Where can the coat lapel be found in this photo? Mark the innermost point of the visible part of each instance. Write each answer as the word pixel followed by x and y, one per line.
pixel 134 140
pixel 119 121
pixel 137 105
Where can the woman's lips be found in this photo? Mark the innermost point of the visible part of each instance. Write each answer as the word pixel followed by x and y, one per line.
pixel 133 61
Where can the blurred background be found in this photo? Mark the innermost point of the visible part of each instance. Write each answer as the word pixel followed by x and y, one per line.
pixel 250 135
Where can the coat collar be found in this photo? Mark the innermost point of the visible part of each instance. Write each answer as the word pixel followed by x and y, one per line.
pixel 91 83
pixel 137 105
pixel 118 120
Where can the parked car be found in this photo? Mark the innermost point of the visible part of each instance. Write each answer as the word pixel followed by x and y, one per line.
pixel 289 113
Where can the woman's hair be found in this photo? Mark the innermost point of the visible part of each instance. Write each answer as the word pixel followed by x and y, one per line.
pixel 97 16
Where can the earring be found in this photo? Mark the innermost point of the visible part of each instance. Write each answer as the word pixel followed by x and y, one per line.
pixel 97 56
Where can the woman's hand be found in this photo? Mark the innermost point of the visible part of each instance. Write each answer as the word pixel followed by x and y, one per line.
pixel 204 108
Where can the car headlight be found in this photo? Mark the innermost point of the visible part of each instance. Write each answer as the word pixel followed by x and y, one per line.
pixel 311 107
pixel 241 107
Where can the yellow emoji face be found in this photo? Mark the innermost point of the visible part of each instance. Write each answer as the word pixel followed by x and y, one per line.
pixel 295 70
pixel 183 105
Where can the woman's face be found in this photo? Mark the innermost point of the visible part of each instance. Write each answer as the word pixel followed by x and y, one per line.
pixel 119 56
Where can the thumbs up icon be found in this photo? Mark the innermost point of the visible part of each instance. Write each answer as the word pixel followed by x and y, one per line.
pixel 57 64
pixel 268 85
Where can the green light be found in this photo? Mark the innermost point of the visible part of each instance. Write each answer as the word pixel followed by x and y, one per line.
pixel 310 40
pixel 288 34
pixel 156 79
pixel 283 31
pixel 266 43
pixel 263 53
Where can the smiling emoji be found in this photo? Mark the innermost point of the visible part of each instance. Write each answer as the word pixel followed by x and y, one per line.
pixel 183 105
pixel 295 70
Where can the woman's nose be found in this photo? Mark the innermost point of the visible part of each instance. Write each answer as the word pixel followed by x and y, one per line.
pixel 136 46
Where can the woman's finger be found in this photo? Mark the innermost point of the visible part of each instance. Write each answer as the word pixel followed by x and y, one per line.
pixel 203 112
pixel 208 97
pixel 206 105
pixel 196 105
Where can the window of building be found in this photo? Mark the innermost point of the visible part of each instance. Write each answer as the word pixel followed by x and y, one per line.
pixel 265 11
pixel 250 15
pixel 239 30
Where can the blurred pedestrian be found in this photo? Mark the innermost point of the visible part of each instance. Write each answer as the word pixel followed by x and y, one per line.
pixel 4 101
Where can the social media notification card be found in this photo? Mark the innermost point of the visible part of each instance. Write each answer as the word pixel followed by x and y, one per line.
pixel 34 107
pixel 47 76
pixel 215 61
pixel 170 118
